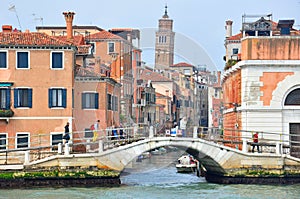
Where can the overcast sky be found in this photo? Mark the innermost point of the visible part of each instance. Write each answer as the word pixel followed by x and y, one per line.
pixel 199 24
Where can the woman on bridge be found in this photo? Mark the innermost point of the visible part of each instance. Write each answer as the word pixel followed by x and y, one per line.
pixel 255 142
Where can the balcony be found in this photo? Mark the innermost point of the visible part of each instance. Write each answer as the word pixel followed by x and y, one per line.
pixel 6 113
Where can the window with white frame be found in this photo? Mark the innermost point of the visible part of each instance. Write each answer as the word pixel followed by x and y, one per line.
pixel 3 59
pixel 22 60
pixel 186 71
pixel 92 49
pixel 22 140
pixel 56 138
pixel 88 133
pixel 235 51
pixel 3 141
pixel 90 100
pixel 57 98
pixel 23 97
pixel 57 60
pixel 4 98
pixel 111 47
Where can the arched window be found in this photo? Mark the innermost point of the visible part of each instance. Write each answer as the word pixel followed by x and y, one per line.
pixel 293 98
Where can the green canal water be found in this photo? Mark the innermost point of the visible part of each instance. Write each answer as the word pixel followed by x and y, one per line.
pixel 157 178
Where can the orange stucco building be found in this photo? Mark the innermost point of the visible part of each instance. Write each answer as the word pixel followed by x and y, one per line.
pixel 36 82
pixel 45 83
pixel 261 83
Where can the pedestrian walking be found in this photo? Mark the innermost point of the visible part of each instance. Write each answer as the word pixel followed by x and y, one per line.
pixel 255 142
pixel 66 136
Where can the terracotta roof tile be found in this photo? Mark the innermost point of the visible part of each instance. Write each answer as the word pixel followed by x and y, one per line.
pixel 105 35
pixel 77 40
pixel 182 64
pixel 237 37
pixel 153 76
pixel 30 39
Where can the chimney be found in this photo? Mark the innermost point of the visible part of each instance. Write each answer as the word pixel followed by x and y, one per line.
pixel 6 28
pixel 228 28
pixel 69 22
pixel 129 37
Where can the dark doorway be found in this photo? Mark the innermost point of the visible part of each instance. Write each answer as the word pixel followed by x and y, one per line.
pixel 295 139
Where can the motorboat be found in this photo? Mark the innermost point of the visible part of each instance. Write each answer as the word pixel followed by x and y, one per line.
pixel 186 164
pixel 159 151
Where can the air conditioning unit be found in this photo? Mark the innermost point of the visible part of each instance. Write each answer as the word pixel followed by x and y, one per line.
pixel 143 102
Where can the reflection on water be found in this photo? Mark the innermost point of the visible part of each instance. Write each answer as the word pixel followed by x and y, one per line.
pixel 157 178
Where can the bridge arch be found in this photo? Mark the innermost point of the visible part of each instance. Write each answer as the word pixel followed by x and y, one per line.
pixel 211 155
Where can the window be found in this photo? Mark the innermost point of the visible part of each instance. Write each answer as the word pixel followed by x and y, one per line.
pixel 114 103
pixel 23 97
pixel 88 133
pixel 111 47
pixel 109 102
pixel 90 100
pixel 293 98
pixel 235 51
pixel 162 39
pixel 56 138
pixel 3 60
pixel 3 141
pixel 92 49
pixel 22 60
pixel 57 60
pixel 4 98
pixel 22 140
pixel 285 31
pixel 57 97
pixel 186 71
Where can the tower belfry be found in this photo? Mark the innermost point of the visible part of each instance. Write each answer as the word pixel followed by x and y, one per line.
pixel 164 43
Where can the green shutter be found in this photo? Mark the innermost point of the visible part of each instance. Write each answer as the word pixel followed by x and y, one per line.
pixel 64 98
pixel 7 105
pixel 97 101
pixel 50 98
pixel 30 97
pixel 83 100
pixel 16 98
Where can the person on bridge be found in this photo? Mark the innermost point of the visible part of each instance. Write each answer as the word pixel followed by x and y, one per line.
pixel 255 142
pixel 95 129
pixel 66 136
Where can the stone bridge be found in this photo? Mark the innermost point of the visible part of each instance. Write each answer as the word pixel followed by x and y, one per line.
pixel 222 164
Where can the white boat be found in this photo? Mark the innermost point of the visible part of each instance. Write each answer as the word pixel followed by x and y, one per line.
pixel 159 151
pixel 186 164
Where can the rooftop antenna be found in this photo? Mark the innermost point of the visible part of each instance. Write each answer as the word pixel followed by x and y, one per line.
pixel 12 8
pixel 38 18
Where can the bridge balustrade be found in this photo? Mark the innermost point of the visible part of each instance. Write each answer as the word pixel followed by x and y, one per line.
pixel 40 146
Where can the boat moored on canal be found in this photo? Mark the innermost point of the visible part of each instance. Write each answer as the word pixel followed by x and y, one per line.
pixel 186 164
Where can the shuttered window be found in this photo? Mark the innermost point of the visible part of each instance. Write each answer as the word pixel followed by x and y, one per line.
pixel 22 60
pixel 90 101
pixel 3 60
pixel 57 98
pixel 57 60
pixel 23 97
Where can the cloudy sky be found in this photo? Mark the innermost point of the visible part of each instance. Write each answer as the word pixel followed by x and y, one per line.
pixel 199 24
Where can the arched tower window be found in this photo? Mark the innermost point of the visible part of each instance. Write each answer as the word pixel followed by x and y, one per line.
pixel 293 98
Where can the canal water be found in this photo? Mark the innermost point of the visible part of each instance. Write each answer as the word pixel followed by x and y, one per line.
pixel 156 177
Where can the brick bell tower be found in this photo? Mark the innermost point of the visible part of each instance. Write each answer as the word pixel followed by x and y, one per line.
pixel 164 44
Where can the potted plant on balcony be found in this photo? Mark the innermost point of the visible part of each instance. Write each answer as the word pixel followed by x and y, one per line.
pixel 6 113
